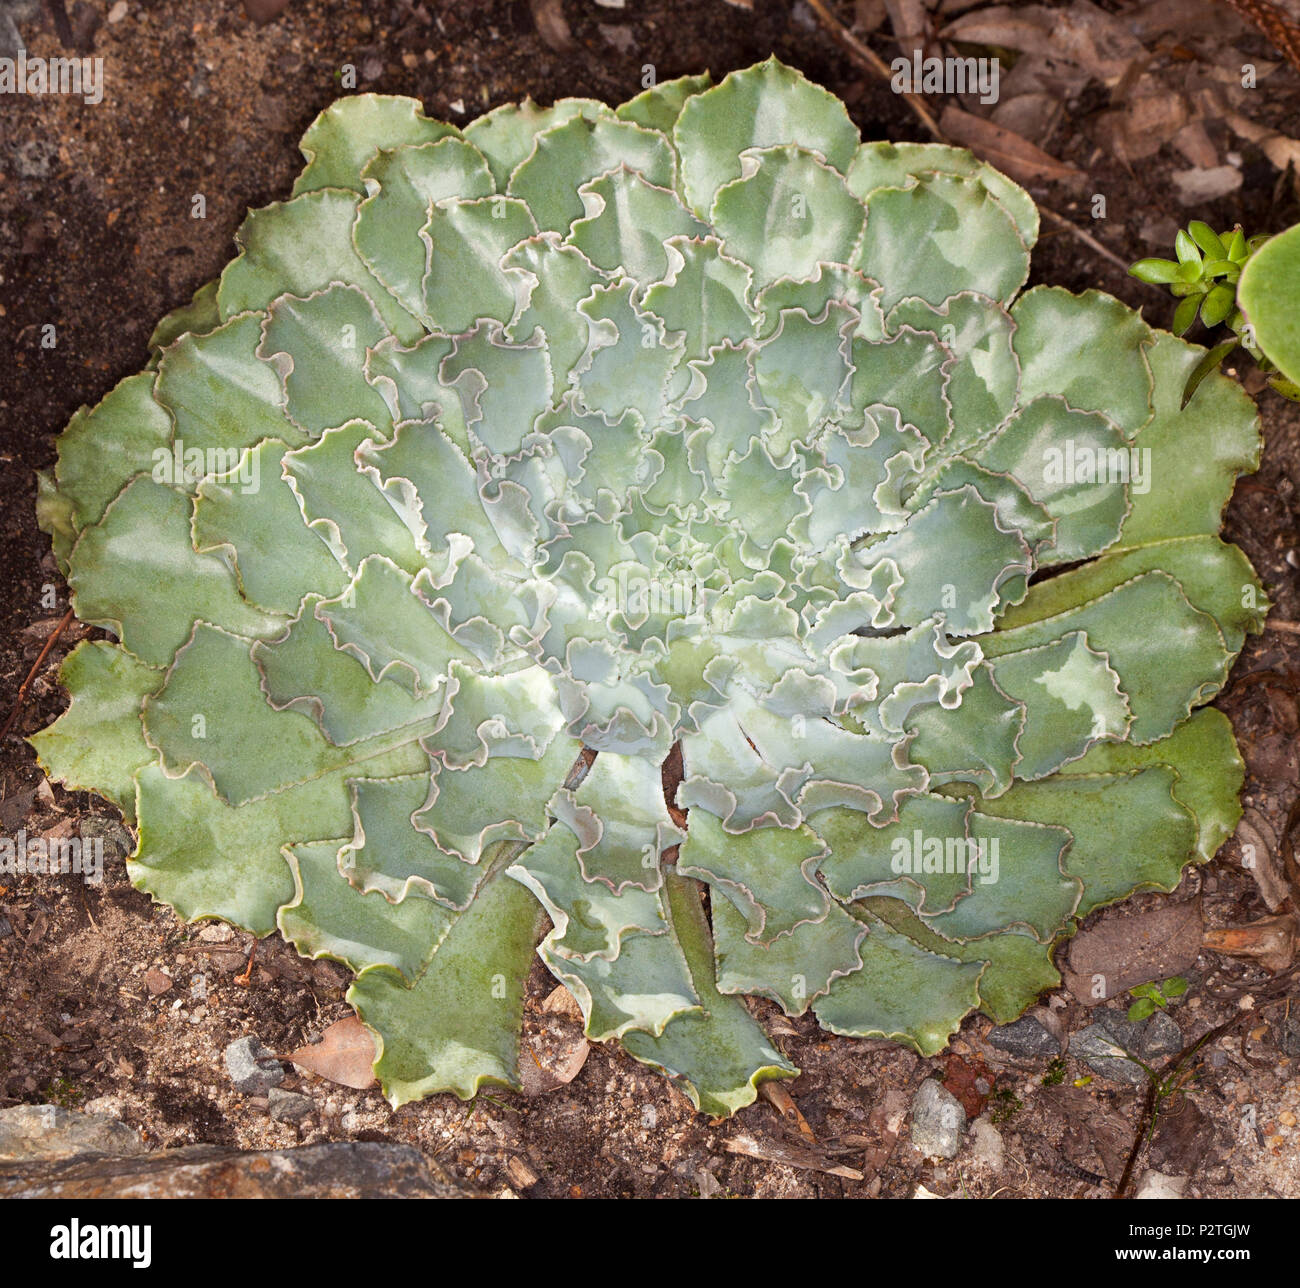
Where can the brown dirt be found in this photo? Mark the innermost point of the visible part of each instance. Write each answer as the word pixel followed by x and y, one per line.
pixel 96 237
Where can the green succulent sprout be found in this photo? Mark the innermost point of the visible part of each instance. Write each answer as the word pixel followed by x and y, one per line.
pixel 1221 278
pixel 673 520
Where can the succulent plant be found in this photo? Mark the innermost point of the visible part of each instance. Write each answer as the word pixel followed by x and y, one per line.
pixel 675 520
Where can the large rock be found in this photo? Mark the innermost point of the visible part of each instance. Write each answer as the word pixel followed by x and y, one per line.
pixel 48 1131
pixel 339 1170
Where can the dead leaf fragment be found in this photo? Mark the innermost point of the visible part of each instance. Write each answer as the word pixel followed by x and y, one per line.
pixel 1003 148
pixel 552 25
pixel 1271 941
pixel 783 1102
pixel 519 1174
pixel 1127 946
pixel 1257 843
pixel 1197 186
pixel 345 1054
pixel 553 1053
pixel 771 1151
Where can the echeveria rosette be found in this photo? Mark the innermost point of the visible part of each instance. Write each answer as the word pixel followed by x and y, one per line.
pixel 501 461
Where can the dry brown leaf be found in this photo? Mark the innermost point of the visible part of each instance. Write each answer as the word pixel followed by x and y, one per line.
pixel 909 22
pixel 783 1102
pixel 1033 115
pixel 1003 148
pixel 1257 843
pixel 1207 18
pixel 552 1054
pixel 1126 946
pixel 1082 34
pixel 1027 30
pixel 1195 144
pixel 552 25
pixel 1280 149
pixel 771 1151
pixel 1271 942
pixel 867 16
pixel 1198 186
pixel 345 1054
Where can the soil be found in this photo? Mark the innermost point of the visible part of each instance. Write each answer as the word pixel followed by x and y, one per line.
pixel 98 239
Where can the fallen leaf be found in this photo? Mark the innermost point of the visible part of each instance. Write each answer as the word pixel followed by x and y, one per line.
pixel 770 1151
pixel 552 25
pixel 1003 148
pixel 553 1053
pixel 1197 186
pixel 1127 946
pixel 345 1054
pixel 1257 844
pixel 1271 942
pixel 1033 115
pixel 783 1102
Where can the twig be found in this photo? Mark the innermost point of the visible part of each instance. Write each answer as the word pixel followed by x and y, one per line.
pixel 1089 240
pixel 1291 628
pixel 59 14
pixel 245 980
pixel 31 675
pixel 864 54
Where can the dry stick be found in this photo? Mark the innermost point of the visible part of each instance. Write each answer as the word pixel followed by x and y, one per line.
pixel 31 675
pixel 864 54
pixel 1291 628
pixel 1089 240
pixel 868 58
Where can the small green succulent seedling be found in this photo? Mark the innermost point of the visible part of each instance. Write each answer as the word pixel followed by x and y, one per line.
pixel 673 526
pixel 1206 276
pixel 1152 996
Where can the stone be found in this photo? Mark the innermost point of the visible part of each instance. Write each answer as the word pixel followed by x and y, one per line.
pixel 938 1120
pixel 156 981
pixel 1026 1039
pixel 1097 1048
pixel 288 1106
pixel 333 1170
pixel 989 1148
pixel 1104 1045
pixel 252 1068
pixel 1156 1185
pixel 1153 1039
pixel 49 1131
